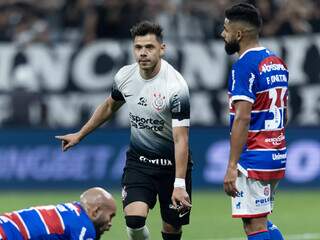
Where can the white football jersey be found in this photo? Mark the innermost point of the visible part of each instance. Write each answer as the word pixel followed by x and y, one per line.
pixel 155 106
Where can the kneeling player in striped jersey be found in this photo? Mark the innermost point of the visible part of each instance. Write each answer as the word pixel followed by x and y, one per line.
pixel 84 220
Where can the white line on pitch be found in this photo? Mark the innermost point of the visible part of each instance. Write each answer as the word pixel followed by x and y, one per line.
pixel 304 236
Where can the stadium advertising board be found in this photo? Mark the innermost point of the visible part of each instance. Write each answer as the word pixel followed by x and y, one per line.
pixel 59 86
pixel 33 159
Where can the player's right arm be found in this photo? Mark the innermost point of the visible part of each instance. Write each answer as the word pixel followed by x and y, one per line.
pixel 101 115
pixel 242 89
pixel 239 135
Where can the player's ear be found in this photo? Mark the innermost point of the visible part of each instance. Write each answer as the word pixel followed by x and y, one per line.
pixel 162 49
pixel 94 212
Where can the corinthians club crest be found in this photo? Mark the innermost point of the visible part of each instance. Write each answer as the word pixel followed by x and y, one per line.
pixel 158 101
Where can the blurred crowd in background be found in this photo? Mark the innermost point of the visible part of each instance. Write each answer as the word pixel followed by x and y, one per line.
pixel 83 21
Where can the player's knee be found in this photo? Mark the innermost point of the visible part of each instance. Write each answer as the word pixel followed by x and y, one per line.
pixel 251 225
pixel 135 222
pixel 136 228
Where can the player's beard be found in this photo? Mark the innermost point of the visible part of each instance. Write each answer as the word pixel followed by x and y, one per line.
pixel 232 47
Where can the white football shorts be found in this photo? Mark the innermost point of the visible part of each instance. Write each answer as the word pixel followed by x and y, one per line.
pixel 255 198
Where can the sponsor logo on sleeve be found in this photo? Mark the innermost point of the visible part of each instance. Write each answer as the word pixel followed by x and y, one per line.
pixel 233 74
pixel 251 81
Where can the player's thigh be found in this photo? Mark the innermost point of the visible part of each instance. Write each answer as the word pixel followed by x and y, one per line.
pixel 137 208
pixel 168 213
pixel 138 192
pixel 254 224
pixel 254 198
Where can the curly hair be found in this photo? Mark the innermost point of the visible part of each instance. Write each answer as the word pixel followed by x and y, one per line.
pixel 244 12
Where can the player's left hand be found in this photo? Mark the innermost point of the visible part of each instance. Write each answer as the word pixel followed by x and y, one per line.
pixel 180 199
pixel 229 182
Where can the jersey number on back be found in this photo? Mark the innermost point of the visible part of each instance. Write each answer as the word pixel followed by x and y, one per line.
pixel 278 113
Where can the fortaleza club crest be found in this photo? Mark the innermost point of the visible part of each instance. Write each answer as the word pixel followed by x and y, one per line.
pixel 158 101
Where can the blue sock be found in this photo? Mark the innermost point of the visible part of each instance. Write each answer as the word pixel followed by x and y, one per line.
pixel 260 236
pixel 274 232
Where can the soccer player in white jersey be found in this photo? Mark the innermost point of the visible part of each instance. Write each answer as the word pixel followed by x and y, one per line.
pixel 258 89
pixel 158 160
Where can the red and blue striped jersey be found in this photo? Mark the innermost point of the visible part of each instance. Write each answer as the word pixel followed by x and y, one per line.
pixel 260 77
pixel 63 221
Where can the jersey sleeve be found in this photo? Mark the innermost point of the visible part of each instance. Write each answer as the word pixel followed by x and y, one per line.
pixel 180 105
pixel 116 94
pixel 243 83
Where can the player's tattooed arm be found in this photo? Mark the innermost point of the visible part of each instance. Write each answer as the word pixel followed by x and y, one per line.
pixel 102 114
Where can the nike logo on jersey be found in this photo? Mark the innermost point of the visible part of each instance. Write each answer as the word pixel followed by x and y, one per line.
pixel 127 95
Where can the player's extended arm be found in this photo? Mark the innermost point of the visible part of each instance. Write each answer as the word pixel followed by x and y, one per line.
pixel 102 114
pixel 181 151
pixel 239 135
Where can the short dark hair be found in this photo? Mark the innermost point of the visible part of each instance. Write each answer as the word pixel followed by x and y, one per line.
pixel 146 27
pixel 244 12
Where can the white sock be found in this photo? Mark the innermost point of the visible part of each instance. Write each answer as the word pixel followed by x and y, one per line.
pixel 138 234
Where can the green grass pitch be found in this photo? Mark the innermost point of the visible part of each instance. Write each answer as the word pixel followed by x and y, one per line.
pixel 295 213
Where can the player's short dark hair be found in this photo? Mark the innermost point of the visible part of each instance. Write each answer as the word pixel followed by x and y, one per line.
pixel 146 27
pixel 244 12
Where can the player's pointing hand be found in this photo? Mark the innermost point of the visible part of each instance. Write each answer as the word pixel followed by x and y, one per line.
pixel 69 140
